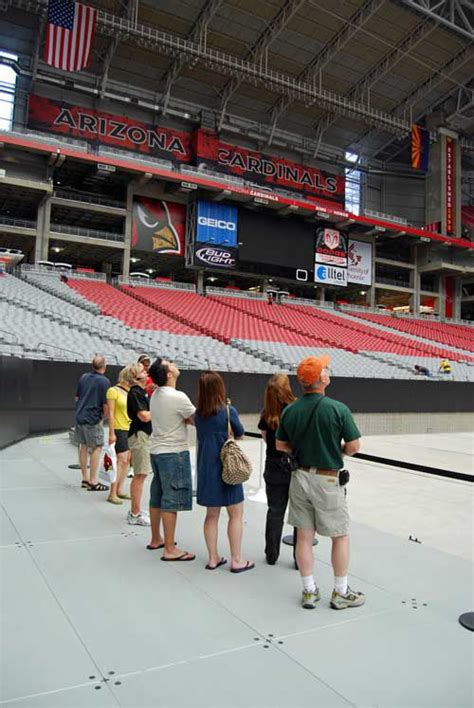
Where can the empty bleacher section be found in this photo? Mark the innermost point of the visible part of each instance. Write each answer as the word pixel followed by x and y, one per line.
pixel 175 334
pixel 44 326
pixel 329 329
pixel 452 335
pixel 47 317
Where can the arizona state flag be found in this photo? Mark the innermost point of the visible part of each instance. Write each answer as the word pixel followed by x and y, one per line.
pixel 420 147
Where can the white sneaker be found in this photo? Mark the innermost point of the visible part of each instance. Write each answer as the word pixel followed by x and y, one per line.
pixel 139 520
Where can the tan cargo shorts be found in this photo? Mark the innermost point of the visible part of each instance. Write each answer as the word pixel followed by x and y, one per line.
pixel 318 502
pixel 139 446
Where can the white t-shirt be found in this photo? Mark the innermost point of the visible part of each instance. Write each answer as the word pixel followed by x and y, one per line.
pixel 169 408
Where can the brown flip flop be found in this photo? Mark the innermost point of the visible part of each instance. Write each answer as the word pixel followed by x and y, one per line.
pixel 248 566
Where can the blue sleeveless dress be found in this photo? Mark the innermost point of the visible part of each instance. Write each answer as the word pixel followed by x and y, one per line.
pixel 211 435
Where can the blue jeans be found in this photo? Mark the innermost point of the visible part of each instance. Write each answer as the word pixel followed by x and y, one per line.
pixel 171 486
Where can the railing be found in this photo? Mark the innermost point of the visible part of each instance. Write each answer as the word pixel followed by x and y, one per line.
pixel 224 292
pixel 88 198
pixel 48 271
pixel 20 223
pixel 144 282
pixel 393 281
pixel 11 334
pixel 86 233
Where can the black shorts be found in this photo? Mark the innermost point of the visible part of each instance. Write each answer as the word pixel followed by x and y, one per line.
pixel 121 444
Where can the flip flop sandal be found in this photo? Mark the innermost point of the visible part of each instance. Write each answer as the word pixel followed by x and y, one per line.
pixel 114 501
pixel 218 565
pixel 124 496
pixel 248 566
pixel 99 487
pixel 156 548
pixel 183 558
pixel 85 485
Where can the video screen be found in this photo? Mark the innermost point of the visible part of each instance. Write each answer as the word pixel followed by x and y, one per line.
pixel 274 245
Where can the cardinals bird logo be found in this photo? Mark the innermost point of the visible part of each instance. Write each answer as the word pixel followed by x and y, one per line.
pixel 153 229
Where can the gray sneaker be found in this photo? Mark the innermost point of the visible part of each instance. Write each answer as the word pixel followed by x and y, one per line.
pixel 310 599
pixel 140 520
pixel 350 599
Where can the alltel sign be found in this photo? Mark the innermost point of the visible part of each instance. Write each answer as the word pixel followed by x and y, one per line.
pixel 216 224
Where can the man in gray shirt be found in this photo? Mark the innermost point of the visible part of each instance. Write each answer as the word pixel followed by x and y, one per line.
pixel 171 487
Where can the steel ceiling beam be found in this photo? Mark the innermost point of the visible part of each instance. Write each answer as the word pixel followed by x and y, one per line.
pixel 129 9
pixel 258 53
pixel 406 106
pixel 239 69
pixel 457 15
pixel 197 34
pixel 312 71
pixel 378 71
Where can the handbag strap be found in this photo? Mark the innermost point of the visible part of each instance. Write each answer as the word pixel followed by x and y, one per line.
pixel 229 427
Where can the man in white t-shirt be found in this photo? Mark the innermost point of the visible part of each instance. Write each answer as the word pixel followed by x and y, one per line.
pixel 171 487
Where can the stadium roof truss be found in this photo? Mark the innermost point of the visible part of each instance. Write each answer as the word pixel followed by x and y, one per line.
pixel 317 77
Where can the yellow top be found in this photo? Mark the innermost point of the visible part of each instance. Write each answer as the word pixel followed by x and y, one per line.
pixel 119 395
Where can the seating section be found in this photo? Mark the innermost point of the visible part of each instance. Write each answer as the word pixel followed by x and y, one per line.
pixel 453 335
pixel 213 318
pixel 325 328
pixel 39 325
pixel 52 283
pixel 117 304
pixel 187 346
pixel 45 317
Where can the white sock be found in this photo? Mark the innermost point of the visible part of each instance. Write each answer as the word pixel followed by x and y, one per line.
pixel 308 583
pixel 340 584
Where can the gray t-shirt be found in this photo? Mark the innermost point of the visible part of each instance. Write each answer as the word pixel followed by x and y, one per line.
pixel 169 409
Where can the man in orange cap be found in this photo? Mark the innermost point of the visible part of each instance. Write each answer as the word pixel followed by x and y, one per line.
pixel 319 431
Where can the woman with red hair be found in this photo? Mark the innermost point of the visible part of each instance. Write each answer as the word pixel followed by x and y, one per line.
pixel 278 395
pixel 211 420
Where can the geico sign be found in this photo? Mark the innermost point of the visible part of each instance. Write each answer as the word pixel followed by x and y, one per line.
pixel 216 257
pixel 330 275
pixel 217 223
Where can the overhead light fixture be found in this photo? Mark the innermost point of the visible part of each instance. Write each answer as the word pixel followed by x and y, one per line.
pixel 212 279
pixel 57 249
pixel 363 292
pixel 135 260
pixel 150 270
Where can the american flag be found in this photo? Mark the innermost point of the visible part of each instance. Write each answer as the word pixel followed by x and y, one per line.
pixel 69 34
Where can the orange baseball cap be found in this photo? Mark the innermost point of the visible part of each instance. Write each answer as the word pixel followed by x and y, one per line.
pixel 309 370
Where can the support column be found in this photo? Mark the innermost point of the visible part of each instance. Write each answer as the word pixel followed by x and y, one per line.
pixel 415 283
pixel 371 293
pixel 200 282
pixel 128 231
pixel 42 230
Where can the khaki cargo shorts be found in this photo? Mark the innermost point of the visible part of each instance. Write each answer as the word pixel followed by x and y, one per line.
pixel 318 502
pixel 139 446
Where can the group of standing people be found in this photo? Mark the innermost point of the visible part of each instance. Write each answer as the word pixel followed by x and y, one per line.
pixel 306 440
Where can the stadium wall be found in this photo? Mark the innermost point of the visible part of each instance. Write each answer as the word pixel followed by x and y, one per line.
pixel 38 396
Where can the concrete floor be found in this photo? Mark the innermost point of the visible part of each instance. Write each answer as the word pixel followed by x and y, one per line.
pixel 90 618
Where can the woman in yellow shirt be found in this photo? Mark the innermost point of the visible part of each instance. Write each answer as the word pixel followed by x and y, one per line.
pixel 119 424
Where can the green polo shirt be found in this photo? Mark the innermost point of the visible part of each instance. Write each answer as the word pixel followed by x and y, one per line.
pixel 320 446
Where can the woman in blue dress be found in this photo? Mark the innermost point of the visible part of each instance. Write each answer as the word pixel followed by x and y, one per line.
pixel 212 492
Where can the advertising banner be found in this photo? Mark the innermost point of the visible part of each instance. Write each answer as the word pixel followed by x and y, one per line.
pixel 450 186
pixel 330 275
pixel 259 167
pixel 216 224
pixel 359 262
pixel 331 247
pixel 215 256
pixel 106 129
pixel 158 226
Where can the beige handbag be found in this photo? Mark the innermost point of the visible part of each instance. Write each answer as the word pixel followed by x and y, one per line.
pixel 236 466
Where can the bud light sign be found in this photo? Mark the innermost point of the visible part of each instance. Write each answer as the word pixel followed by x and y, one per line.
pixel 215 257
pixel 216 224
